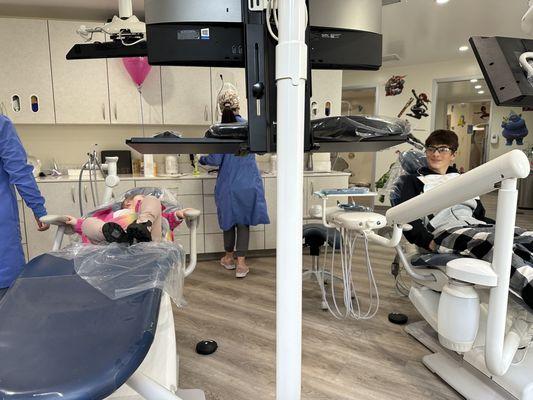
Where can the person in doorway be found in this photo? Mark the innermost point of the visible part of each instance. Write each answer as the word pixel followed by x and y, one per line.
pixel 239 192
pixel 15 172
pixel 462 229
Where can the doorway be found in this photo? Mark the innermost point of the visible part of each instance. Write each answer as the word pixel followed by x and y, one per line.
pixel 463 106
pixel 358 101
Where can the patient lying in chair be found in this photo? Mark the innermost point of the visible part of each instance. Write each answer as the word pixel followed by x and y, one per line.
pixel 462 229
pixel 139 219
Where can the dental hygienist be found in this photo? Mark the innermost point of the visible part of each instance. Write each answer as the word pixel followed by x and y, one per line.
pixel 239 192
pixel 15 172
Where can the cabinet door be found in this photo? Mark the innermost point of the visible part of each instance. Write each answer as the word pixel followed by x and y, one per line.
pixel 61 198
pixel 271 191
pixel 25 71
pixel 80 86
pixel 126 101
pixel 235 76
pixel 186 95
pixel 327 90
pixel 314 184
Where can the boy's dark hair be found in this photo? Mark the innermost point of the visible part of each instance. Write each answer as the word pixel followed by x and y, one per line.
pixel 443 136
pixel 228 116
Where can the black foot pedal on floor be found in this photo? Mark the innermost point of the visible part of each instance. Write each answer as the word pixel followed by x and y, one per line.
pixel 398 318
pixel 206 347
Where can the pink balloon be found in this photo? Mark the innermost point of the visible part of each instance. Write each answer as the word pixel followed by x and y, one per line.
pixel 138 68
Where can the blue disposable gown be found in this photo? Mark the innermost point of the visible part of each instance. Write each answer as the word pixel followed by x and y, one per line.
pixel 239 192
pixel 14 171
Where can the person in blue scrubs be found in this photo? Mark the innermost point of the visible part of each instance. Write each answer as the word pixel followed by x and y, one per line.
pixel 15 172
pixel 239 193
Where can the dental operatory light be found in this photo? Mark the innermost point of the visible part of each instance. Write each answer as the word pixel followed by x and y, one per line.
pixel 124 28
pixel 463 48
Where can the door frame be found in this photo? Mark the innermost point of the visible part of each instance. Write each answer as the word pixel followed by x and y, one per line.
pixel 434 98
pixel 376 87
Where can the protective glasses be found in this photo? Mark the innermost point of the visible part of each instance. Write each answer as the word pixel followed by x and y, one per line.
pixel 440 149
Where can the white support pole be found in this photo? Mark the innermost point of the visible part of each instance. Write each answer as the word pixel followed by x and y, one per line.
pixel 291 75
pixel 125 8
pixel 501 348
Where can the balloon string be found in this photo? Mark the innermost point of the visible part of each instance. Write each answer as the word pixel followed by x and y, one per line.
pixel 142 111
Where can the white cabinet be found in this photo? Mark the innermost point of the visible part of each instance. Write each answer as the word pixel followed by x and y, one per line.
pixel 61 198
pixel 271 191
pixel 126 101
pixel 80 86
pixel 326 93
pixel 235 76
pixel 186 95
pixel 316 183
pixel 25 71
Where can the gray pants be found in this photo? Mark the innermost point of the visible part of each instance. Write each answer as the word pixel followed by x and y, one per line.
pixel 243 238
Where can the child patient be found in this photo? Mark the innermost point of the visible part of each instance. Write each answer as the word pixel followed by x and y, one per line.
pixel 462 229
pixel 139 218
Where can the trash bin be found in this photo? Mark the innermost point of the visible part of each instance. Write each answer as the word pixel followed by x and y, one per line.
pixel 525 192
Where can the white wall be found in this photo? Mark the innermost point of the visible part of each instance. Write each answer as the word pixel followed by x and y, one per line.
pixel 419 77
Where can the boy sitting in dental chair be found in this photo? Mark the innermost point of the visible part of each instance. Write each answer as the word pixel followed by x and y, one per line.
pixel 462 229
pixel 138 219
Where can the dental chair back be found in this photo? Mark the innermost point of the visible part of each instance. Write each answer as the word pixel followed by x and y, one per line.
pixel 424 268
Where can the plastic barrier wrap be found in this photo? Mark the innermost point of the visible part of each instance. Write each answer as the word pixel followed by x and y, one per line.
pixel 357 127
pixel 118 270
pixel 236 130
pixel 409 162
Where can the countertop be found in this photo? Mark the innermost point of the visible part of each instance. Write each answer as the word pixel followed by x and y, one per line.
pixel 67 178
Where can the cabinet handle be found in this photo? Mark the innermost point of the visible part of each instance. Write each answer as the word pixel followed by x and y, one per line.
pixel 205 112
pixel 85 193
pixel 116 113
pixel 103 111
pixel 72 194
pixel 312 188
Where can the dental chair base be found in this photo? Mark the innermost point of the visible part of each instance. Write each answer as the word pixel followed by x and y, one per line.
pixel 160 366
pixel 467 374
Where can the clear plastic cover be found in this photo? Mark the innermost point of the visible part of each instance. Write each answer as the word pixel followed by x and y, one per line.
pixel 358 127
pixel 118 270
pixel 408 163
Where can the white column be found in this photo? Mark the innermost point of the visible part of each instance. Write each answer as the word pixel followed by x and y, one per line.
pixel 499 347
pixel 291 75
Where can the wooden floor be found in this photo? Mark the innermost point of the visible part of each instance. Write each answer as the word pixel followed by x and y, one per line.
pixel 341 359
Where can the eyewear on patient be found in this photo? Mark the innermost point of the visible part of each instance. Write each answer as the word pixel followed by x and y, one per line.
pixel 439 149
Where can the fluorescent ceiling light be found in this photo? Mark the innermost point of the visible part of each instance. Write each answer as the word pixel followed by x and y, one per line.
pixel 442 1
pixel 463 48
pixel 481 91
pixel 474 80
pixel 477 87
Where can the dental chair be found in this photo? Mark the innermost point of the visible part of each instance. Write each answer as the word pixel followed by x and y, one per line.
pixel 61 338
pixel 480 342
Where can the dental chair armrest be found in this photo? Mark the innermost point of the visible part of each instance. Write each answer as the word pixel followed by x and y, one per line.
pixel 192 217
pixel 58 220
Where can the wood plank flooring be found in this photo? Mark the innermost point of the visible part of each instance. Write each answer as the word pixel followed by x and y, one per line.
pixel 342 360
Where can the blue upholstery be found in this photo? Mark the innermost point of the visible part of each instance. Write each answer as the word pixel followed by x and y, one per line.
pixel 61 338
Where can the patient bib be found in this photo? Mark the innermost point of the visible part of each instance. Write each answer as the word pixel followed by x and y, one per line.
pixel 434 180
